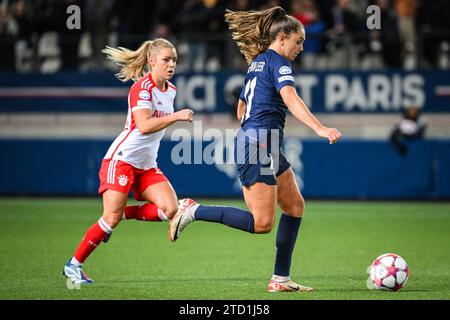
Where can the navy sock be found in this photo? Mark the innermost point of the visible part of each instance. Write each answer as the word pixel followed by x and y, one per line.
pixel 286 236
pixel 232 217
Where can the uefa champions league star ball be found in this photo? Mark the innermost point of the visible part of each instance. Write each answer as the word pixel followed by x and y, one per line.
pixel 389 272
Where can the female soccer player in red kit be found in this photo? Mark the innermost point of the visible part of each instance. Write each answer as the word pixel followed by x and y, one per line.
pixel 130 163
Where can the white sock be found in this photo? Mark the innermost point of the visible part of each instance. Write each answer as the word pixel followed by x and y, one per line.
pixel 76 262
pixel 192 211
pixel 280 278
pixel 162 216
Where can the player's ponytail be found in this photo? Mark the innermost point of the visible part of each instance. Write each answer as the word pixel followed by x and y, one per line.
pixel 134 64
pixel 254 31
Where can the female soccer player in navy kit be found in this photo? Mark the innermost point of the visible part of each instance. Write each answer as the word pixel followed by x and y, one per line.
pixel 269 40
pixel 130 163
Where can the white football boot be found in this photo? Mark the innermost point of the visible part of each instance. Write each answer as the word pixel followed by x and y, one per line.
pixel 286 286
pixel 182 218
pixel 76 274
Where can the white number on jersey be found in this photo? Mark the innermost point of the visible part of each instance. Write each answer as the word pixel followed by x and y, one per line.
pixel 250 87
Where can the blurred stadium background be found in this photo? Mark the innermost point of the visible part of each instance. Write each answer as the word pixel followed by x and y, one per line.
pixel 61 105
pixel 387 91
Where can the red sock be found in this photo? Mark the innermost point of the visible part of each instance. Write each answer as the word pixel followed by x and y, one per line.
pixel 93 237
pixel 146 212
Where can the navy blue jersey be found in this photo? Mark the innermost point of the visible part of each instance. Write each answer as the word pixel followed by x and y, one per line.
pixel 264 107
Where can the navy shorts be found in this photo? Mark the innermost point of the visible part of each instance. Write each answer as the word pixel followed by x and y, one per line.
pixel 256 163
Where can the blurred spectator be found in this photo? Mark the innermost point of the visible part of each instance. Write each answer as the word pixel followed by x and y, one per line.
pixel 135 21
pixel 36 30
pixel 303 10
pixel 345 23
pixel 433 24
pixel 406 11
pixel 261 5
pixel 52 15
pixel 198 21
pixel 23 20
pixel 69 40
pixel 343 38
pixel 389 36
pixel 269 4
pixel 325 8
pixel 194 19
pixel 409 128
pixel 307 13
pixel 239 5
pixel 7 39
pixel 20 11
pixel 236 59
pixel 216 55
pixel 99 26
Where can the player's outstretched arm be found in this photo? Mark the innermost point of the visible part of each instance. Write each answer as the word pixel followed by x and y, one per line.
pixel 301 112
pixel 240 109
pixel 148 124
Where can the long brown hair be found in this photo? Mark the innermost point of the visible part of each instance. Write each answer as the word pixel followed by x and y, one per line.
pixel 134 64
pixel 254 31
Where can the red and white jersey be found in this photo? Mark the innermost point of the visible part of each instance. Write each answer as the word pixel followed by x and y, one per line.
pixel 131 146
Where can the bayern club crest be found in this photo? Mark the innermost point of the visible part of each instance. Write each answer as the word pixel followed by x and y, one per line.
pixel 123 180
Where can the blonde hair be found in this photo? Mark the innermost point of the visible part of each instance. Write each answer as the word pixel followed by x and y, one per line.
pixel 134 64
pixel 254 31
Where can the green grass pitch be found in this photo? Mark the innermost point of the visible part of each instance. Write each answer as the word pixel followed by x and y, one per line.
pixel 337 241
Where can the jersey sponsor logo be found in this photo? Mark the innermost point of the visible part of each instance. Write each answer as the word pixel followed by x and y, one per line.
pixel 286 78
pixel 144 94
pixel 285 70
pixel 123 180
pixel 160 114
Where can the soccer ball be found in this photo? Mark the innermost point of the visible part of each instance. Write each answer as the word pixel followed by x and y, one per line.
pixel 389 272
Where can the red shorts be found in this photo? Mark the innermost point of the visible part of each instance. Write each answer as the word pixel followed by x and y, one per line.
pixel 121 176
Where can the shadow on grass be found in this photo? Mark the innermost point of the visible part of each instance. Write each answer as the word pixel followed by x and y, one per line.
pixel 178 280
pixel 374 291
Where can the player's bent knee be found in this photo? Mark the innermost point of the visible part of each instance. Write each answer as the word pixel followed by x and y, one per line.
pixel 112 219
pixel 299 209
pixel 261 229
pixel 294 209
pixel 263 225
pixel 170 210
